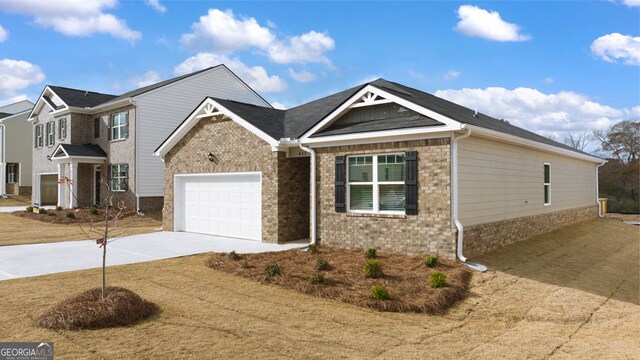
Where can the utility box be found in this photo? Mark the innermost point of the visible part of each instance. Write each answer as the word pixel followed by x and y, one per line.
pixel 603 205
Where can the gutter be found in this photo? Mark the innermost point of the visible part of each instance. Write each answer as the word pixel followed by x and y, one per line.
pixel 313 191
pixel 598 191
pixel 454 202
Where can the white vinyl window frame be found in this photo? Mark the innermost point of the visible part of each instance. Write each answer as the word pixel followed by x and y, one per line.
pixel 51 133
pixel 12 173
pixel 547 184
pixel 62 129
pixel 375 184
pixel 39 136
pixel 119 183
pixel 119 126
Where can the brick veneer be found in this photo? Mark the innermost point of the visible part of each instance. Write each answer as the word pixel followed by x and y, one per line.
pixel 285 215
pixel 429 232
pixel 483 238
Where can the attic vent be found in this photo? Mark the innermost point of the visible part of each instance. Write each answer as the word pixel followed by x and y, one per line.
pixel 86 93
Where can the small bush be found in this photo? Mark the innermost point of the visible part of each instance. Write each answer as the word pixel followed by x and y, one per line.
pixel 372 269
pixel 29 209
pixel 42 211
pixel 273 269
pixel 316 279
pixel 370 253
pixel 71 215
pixel 58 208
pixel 438 279
pixel 379 293
pixel 322 265
pixel 312 249
pixel 234 256
pixel 93 210
pixel 431 261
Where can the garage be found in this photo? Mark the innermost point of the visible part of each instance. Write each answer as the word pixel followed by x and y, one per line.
pixel 223 204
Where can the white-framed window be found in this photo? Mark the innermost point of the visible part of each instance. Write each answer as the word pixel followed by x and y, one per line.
pixel 51 133
pixel 375 183
pixel 119 177
pixel 62 129
pixel 12 173
pixel 547 184
pixel 120 125
pixel 38 136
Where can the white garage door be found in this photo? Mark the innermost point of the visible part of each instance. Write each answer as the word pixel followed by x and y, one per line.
pixel 220 204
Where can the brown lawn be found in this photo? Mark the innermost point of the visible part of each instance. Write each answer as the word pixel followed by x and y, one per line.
pixel 16 230
pixel 16 200
pixel 571 294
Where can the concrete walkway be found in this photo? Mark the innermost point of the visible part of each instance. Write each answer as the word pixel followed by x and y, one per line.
pixel 20 208
pixel 39 259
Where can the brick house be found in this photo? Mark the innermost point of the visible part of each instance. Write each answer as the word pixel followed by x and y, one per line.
pixel 378 165
pixel 15 152
pixel 102 141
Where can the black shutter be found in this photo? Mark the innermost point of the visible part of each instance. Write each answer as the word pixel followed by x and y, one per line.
pixel 411 182
pixel 126 179
pixel 340 181
pixel 109 122
pixel 126 127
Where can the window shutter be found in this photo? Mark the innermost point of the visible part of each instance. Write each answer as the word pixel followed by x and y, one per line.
pixel 126 126
pixel 35 136
pixel 126 178
pixel 411 182
pixel 109 124
pixel 340 181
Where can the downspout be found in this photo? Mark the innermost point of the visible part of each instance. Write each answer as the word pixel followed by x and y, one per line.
pixel 3 163
pixel 598 191
pixel 135 156
pixel 454 202
pixel 313 191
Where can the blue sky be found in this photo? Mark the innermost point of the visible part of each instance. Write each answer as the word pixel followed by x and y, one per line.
pixel 552 67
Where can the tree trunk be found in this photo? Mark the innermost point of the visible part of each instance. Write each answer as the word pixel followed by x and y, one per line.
pixel 104 251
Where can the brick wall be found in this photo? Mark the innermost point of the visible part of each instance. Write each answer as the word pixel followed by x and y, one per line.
pixel 483 238
pixel 293 197
pixel 429 232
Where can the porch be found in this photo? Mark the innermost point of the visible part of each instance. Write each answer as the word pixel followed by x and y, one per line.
pixel 80 173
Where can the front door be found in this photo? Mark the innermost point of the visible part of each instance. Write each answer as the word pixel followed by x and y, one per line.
pixel 96 185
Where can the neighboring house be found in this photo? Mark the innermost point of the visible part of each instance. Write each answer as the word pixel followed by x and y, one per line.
pixel 15 149
pixel 391 167
pixel 101 141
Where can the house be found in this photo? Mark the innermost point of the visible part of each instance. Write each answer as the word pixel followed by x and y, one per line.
pixel 15 149
pixel 105 142
pixel 379 165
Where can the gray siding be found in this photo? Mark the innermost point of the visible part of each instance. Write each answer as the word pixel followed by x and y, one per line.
pixel 499 181
pixel 19 146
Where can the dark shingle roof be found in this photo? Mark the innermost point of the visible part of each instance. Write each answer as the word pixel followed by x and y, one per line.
pixel 4 115
pixel 377 125
pixel 80 98
pixel 84 150
pixel 269 120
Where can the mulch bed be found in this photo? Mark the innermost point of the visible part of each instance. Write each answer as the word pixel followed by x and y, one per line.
pixel 80 215
pixel 87 310
pixel 405 277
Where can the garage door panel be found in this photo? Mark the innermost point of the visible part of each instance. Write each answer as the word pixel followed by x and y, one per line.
pixel 221 204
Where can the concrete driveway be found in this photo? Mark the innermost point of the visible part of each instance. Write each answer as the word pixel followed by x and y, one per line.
pixel 39 259
pixel 9 209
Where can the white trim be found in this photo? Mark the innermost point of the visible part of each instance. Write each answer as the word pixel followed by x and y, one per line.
pixel 193 119
pixel 544 165
pixel 375 185
pixel 37 106
pixel 38 184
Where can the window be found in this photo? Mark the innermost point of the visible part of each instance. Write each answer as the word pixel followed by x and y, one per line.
pixel 547 184
pixel 62 129
pixel 119 126
pixel 51 133
pixel 376 183
pixel 119 177
pixel 38 136
pixel 11 173
pixel 96 128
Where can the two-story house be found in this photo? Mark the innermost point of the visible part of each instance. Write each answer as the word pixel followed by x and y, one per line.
pixel 106 142
pixel 15 151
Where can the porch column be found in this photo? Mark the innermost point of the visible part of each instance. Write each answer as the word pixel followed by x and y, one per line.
pixel 73 176
pixel 61 186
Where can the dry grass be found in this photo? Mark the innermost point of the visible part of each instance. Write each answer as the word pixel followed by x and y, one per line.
pixel 405 277
pixel 80 215
pixel 17 231
pixel 120 307
pixel 624 217
pixel 16 200
pixel 572 294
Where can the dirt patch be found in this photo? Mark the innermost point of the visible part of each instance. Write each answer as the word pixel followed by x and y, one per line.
pixel 80 215
pixel 624 217
pixel 121 307
pixel 405 277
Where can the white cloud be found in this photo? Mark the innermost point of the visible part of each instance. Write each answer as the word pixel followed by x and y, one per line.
pixel 74 17
pixel 617 47
pixel 155 4
pixel 546 114
pixel 416 74
pixel 17 75
pixel 548 80
pixel 279 106
pixel 148 78
pixel 309 47
pixel 4 34
pixel 452 75
pixel 478 22
pixel 255 76
pixel 631 3
pixel 302 75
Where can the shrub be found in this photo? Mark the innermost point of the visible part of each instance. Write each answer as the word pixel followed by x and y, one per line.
pixel 370 253
pixel 379 293
pixel 29 209
pixel 42 211
pixel 58 208
pixel 431 261
pixel 273 269
pixel 322 265
pixel 372 269
pixel 71 215
pixel 312 249
pixel 93 210
pixel 234 256
pixel 316 279
pixel 438 279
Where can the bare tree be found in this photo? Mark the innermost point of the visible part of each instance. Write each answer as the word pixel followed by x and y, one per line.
pixel 621 141
pixel 578 140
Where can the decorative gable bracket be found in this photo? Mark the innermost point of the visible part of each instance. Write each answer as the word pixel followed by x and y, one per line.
pixel 369 99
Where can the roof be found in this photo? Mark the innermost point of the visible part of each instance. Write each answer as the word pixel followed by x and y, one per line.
pixel 4 115
pixel 269 120
pixel 80 98
pixel 88 150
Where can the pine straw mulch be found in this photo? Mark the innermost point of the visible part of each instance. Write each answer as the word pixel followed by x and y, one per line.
pixel 87 310
pixel 81 215
pixel 405 277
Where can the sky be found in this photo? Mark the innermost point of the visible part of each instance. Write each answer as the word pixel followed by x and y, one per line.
pixel 552 67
